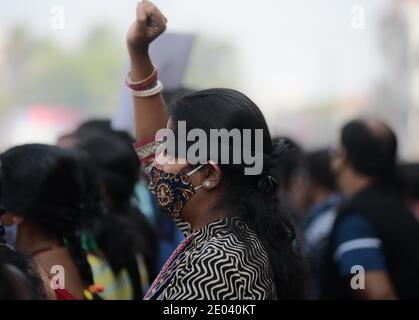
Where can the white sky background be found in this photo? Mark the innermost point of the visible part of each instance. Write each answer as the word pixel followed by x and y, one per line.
pixel 290 51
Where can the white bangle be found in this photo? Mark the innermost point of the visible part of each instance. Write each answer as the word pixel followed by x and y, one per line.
pixel 150 92
pixel 131 82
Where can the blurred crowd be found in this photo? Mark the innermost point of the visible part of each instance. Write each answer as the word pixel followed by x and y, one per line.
pixel 353 204
pixel 356 208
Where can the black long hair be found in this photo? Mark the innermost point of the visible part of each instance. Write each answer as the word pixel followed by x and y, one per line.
pixel 43 184
pixel 250 196
pixel 124 231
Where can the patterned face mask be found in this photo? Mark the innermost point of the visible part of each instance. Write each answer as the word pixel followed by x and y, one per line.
pixel 171 190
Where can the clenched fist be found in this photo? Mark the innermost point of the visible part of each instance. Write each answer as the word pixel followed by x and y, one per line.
pixel 149 24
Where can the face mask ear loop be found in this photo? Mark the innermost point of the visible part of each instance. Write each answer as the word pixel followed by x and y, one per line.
pixel 194 171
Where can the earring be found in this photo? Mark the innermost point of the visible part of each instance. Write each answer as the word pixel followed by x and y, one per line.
pixel 207 184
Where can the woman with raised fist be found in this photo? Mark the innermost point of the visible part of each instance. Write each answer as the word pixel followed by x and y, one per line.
pixel 238 243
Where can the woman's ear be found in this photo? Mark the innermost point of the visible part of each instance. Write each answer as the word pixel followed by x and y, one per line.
pixel 212 176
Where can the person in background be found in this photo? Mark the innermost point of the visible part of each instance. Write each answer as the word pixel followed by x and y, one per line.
pixel 42 194
pixel 123 235
pixel 291 170
pixel 371 252
pixel 97 127
pixel 317 223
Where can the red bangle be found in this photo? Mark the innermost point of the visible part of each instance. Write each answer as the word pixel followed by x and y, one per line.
pixel 142 85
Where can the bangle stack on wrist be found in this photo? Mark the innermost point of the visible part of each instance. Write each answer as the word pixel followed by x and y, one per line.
pixel 148 87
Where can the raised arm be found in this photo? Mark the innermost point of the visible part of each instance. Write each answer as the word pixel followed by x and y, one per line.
pixel 150 112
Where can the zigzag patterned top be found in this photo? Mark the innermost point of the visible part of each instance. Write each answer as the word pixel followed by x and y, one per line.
pixel 217 263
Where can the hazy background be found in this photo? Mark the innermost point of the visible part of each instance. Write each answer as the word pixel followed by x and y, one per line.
pixel 302 61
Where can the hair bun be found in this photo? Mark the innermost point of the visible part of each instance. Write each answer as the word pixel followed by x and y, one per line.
pixel 267 184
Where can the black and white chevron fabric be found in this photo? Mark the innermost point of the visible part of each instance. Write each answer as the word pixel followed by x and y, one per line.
pixel 218 264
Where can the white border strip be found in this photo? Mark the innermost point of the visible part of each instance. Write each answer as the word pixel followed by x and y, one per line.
pixel 355 244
